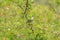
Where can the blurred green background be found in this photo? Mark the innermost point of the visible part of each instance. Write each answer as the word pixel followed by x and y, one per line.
pixel 29 19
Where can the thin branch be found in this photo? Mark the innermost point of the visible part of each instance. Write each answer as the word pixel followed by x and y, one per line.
pixel 18 5
pixel 36 36
pixel 26 8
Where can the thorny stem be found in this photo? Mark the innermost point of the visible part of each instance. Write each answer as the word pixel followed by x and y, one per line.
pixel 25 12
pixel 26 8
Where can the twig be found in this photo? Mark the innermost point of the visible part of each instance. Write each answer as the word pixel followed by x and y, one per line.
pixel 18 5
pixel 26 8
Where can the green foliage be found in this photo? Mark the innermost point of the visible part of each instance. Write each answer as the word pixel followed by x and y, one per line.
pixel 26 20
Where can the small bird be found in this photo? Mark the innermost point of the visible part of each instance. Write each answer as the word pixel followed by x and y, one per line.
pixel 30 20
